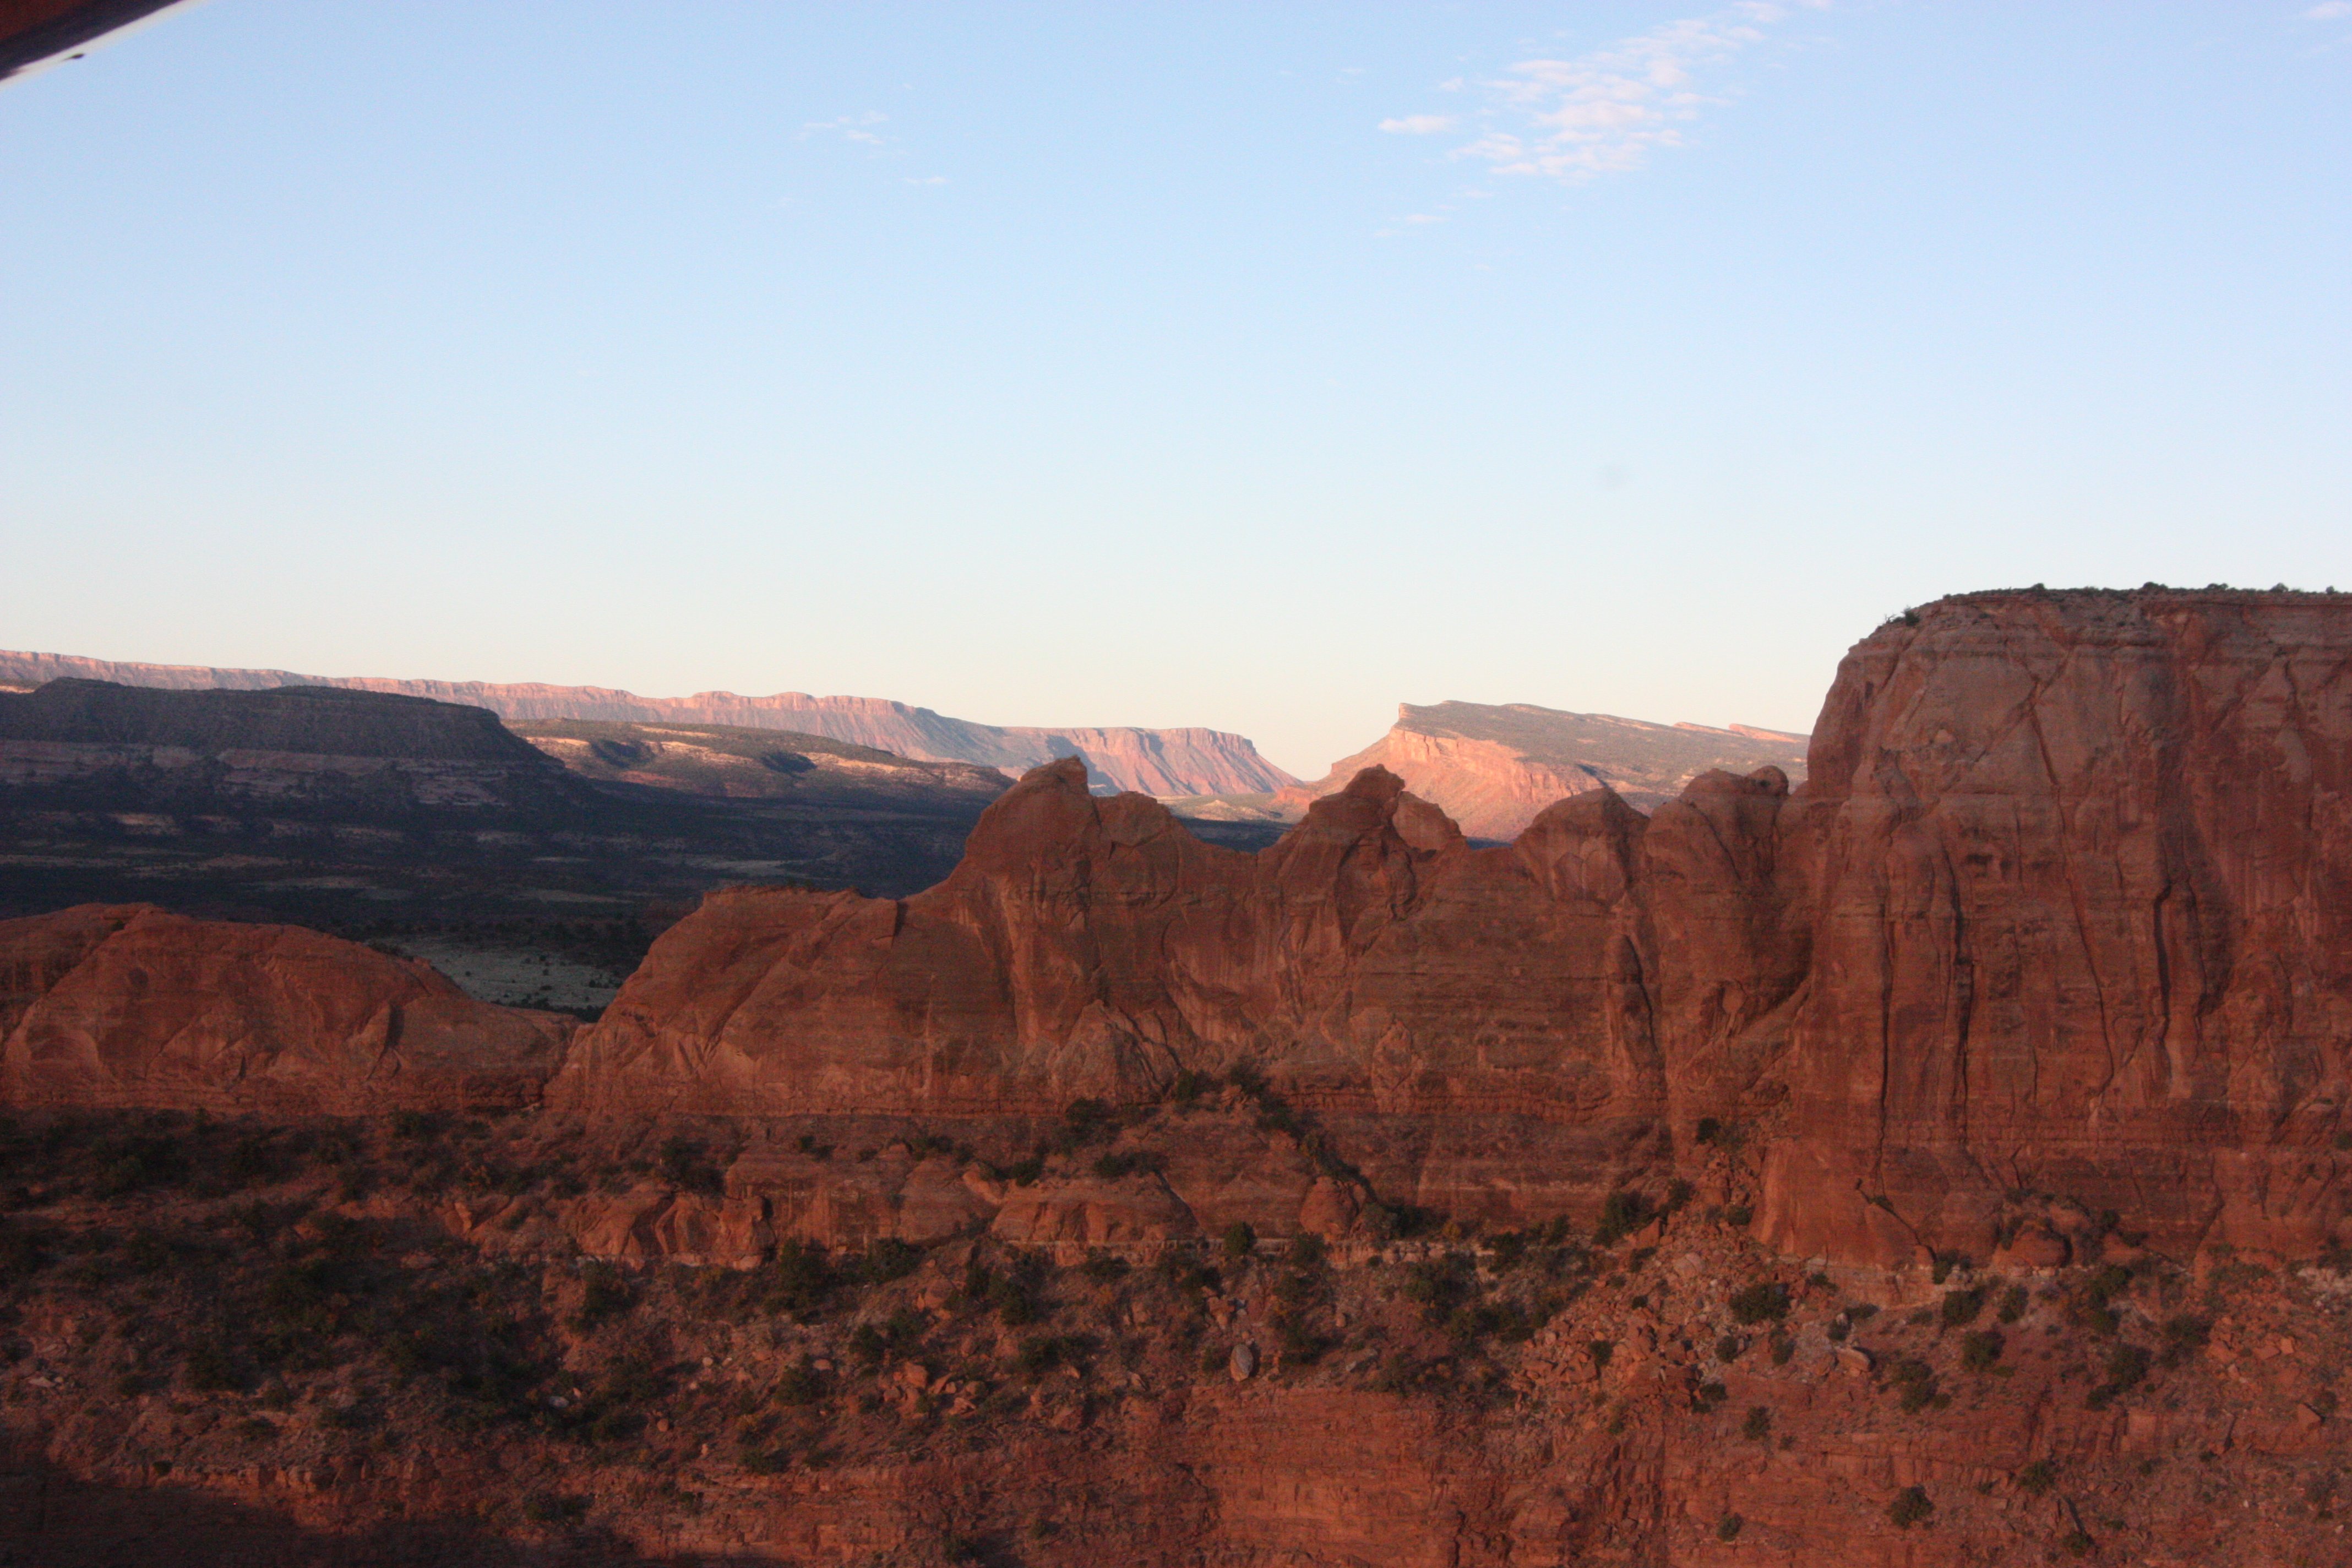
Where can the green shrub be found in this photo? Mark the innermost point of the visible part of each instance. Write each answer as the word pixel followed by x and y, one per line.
pixel 1041 1354
pixel 799 1280
pixel 1980 1349
pixel 1601 1351
pixel 686 1165
pixel 1729 1526
pixel 2183 1336
pixel 132 1164
pixel 25 1250
pixel 208 1367
pixel 1738 1217
pixel 1758 1427
pixel 1308 1250
pixel 1707 1395
pixel 1240 1241
pixel 604 1295
pixel 1784 1350
pixel 1485 1319
pixel 1914 1382
pixel 1506 1251
pixel 2075 1543
pixel 1439 1286
pixel 1621 1213
pixel 1182 1268
pixel 1728 1347
pixel 1911 1505
pixel 1301 1345
pixel 2013 1304
pixel 2127 1368
pixel 1765 1301
pixel 801 1385
pixel 2037 1477
pixel 765 1459
pixel 1706 1132
pixel 1962 1307
pixel 888 1258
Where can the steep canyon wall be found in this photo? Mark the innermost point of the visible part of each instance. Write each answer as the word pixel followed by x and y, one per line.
pixel 2062 913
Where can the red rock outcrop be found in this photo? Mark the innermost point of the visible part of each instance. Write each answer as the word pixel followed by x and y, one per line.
pixel 2079 875
pixel 2063 913
pixel 1095 948
pixel 113 1006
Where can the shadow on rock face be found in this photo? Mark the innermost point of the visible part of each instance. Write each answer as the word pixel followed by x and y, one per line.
pixel 48 1519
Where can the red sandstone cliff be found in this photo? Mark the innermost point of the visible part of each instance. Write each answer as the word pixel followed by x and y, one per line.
pixel 2062 913
pixel 2078 869
pixel 126 1005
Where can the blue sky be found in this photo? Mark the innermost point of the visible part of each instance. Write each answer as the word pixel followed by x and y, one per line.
pixel 1252 366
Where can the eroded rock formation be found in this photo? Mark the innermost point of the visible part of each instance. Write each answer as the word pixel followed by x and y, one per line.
pixel 1494 767
pixel 2063 912
pixel 127 1006
pixel 2077 874
pixel 920 1230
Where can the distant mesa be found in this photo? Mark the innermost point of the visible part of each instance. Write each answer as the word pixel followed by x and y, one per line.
pixel 294 748
pixel 323 804
pixel 1492 768
pixel 738 763
pixel 1164 762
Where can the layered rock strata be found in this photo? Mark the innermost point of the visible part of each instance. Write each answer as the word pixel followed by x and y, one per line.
pixel 1170 763
pixel 1494 767
pixel 2075 874
pixel 2061 913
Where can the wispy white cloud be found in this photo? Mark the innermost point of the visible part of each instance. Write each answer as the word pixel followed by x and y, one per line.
pixel 2330 11
pixel 1418 125
pixel 1607 110
pixel 926 179
pixel 850 128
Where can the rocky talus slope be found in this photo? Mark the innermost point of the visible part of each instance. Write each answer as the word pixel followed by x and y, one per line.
pixel 1163 761
pixel 1493 768
pixel 1941 1163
